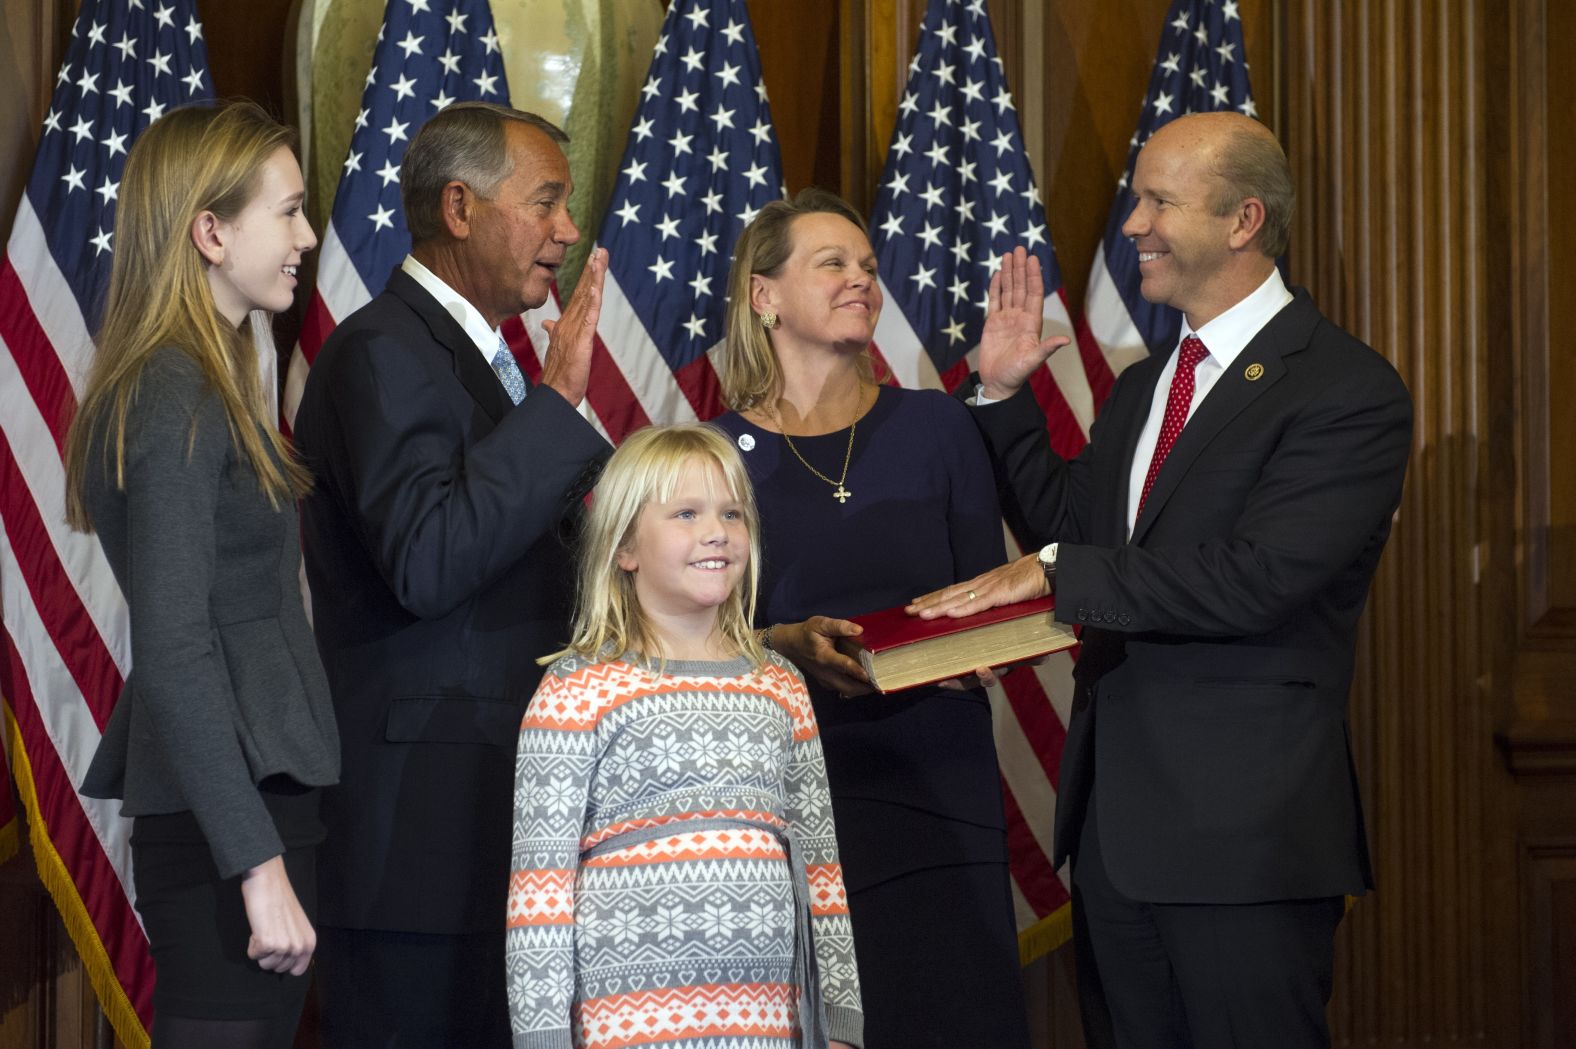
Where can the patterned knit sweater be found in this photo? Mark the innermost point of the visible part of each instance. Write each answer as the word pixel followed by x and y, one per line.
pixel 675 875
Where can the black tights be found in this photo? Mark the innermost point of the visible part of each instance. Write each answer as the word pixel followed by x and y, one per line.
pixel 185 1032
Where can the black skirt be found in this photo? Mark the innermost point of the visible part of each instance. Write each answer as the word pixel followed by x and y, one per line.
pixel 196 921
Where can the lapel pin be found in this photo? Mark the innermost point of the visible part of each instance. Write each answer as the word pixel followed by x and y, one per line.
pixel 1254 372
pixel 746 442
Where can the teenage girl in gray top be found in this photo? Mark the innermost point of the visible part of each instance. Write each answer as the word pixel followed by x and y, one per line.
pixel 224 731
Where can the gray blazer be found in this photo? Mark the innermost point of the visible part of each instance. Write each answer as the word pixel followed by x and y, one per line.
pixel 225 687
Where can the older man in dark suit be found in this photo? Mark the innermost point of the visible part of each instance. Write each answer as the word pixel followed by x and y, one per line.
pixel 444 486
pixel 1216 540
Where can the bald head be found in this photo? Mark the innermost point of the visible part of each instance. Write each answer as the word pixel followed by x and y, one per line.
pixel 1247 162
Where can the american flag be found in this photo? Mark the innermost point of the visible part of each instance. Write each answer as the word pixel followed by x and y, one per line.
pixel 430 54
pixel 702 159
pixel 957 193
pixel 1201 66
pixel 66 638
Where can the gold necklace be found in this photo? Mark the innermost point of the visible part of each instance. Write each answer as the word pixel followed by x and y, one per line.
pixel 839 492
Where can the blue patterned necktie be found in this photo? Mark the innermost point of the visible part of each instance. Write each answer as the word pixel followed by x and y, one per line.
pixel 508 372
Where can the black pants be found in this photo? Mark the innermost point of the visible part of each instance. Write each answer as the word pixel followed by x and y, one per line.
pixel 405 990
pixel 1200 976
pixel 207 989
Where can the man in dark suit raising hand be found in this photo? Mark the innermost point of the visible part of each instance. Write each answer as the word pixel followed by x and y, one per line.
pixel 1216 540
pixel 444 485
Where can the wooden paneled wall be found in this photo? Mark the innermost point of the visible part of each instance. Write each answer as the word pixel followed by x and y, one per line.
pixel 1432 141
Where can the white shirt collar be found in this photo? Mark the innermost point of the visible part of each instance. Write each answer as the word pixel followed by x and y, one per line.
pixel 1229 334
pixel 469 317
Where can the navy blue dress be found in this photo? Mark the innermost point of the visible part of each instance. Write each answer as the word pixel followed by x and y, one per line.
pixel 915 789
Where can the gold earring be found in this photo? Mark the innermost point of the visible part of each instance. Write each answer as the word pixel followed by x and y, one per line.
pixel 768 319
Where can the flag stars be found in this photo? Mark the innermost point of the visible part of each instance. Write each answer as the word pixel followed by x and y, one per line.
pixel 193 81
pixel 1002 142
pixel 456 22
pixel 652 87
pixel 674 184
pixel 352 162
pixel 668 227
pixel 1220 95
pixel 974 90
pixel 442 100
pixel 1001 183
pixel 680 143
pixel 693 60
pixel 382 218
pixel 734 31
pixel 487 85
pixel 959 288
pixel 89 83
pixel 418 6
pixel 64 75
pixel 108 191
pixel 696 326
pixel 712 201
pixel 1163 102
pixel 899 183
pixel 1003 100
pixel 965 209
pixel 910 104
pixel 717 158
pixel 723 118
pixel 1031 196
pixel 948 34
pixel 115 143
pixel 937 154
pixel 160 63
pixel 1197 76
pixel 490 41
pixel 762 132
pixel 101 242
pixel 728 75
pixel 945 73
pixel 904 145
pixel 121 93
pixel 96 34
pixel 83 128
pixel 51 121
pixel 1228 11
pixel 975 49
pixel 153 111
pixel 686 100
pixel 756 175
pixel 396 130
pixel 697 17
pixel 966 172
pixel 127 46
pixel 1201 34
pixel 941 114
pixel 997 224
pixel 924 278
pixel 73 178
pixel 747 216
pixel 931 235
pixel 450 62
pixel 661 270
pixel 636 172
pixel 642 128
pixel 707 243
pixel 971 130
pixel 953 332
pixel 893 226
pixel 931 196
pixel 389 172
pixel 411 45
pixel 961 251
pixel 361 119
pixel 630 212
pixel 1226 52
pixel 701 285
pixel 166 16
pixel 1035 235
pixel 1173 63
pixel 1180 22
pixel 1248 108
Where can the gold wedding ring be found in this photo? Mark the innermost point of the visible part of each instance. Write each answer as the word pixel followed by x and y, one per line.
pixel 971 595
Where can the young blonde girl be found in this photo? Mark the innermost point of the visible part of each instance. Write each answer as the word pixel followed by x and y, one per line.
pixel 224 730
pixel 675 872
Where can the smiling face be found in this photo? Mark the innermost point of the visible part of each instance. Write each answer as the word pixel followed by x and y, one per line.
pixel 826 292
pixel 1183 246
pixel 517 234
pixel 260 249
pixel 690 551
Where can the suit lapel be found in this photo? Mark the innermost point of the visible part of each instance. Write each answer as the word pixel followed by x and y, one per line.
pixel 470 367
pixel 1114 513
pixel 1286 333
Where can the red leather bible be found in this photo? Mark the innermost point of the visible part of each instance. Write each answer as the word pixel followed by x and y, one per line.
pixel 900 651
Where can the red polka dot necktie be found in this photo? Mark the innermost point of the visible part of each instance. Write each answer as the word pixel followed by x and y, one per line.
pixel 1178 401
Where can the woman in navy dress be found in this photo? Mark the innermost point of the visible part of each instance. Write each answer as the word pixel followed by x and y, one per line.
pixel 870 495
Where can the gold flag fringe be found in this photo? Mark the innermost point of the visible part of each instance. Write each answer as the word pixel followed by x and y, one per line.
pixel 1045 935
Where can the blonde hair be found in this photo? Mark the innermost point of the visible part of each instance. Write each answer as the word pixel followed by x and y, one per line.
pixel 192 160
pixel 608 619
pixel 751 376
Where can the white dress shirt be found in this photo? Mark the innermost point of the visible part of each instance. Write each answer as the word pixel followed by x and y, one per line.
pixel 1225 338
pixel 487 339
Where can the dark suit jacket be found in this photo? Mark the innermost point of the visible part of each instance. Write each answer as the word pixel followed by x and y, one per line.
pixel 1218 642
pixel 439 573
pixel 225 689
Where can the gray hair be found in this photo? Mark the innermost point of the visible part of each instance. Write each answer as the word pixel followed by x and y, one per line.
pixel 465 143
pixel 1254 165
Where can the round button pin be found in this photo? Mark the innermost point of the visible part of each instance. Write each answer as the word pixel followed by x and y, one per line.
pixel 746 442
pixel 1254 372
